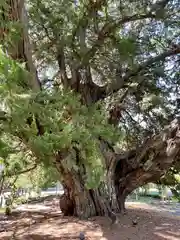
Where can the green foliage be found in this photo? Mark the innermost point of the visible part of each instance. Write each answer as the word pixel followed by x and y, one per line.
pixel 66 123
pixel 176 191
pixel 151 101
pixel 172 180
pixel 43 177
pixel 115 40
pixel 127 47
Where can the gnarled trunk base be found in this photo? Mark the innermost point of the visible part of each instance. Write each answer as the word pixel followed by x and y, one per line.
pixel 85 203
pixel 66 205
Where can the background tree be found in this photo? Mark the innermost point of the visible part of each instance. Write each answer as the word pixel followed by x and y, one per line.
pixel 99 83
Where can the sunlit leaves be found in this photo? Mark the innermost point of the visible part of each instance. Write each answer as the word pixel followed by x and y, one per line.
pixel 66 123
pixel 150 101
pixel 56 25
pixel 12 74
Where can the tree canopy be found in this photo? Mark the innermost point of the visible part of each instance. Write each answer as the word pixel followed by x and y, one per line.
pixel 82 82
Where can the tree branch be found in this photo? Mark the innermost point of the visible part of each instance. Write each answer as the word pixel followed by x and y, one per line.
pixel 89 10
pixel 62 66
pixel 115 87
pixel 151 161
pixel 80 28
pixel 107 30
pixel 14 173
pixel 148 63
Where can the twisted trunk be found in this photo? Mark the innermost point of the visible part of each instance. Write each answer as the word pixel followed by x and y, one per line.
pixel 148 163
pixel 124 172
pixel 127 171
pixel 79 201
pixel 82 202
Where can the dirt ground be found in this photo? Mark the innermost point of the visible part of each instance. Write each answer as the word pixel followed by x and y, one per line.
pixel 47 223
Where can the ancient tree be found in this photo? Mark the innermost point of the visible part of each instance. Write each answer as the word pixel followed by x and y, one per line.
pixel 92 94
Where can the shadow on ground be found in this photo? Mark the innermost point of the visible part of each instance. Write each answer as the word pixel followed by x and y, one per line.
pixel 50 224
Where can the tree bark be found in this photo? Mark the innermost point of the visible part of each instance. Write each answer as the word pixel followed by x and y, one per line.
pixel 19 49
pixel 79 201
pixel 124 173
pixel 127 172
pixel 148 163
pixel 82 202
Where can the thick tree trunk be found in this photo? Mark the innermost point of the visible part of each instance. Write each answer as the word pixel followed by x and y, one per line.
pixel 79 201
pixel 148 163
pixel 19 48
pixel 121 198
pixel 128 171
pixel 105 200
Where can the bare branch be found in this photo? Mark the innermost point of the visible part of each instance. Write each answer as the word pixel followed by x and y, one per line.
pixel 152 160
pixel 166 143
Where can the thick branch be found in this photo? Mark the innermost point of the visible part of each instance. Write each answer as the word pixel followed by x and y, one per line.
pixel 79 31
pixel 148 163
pixel 114 87
pixel 21 50
pixel 151 160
